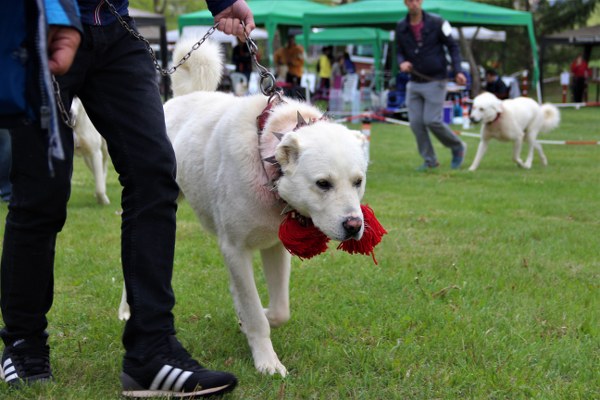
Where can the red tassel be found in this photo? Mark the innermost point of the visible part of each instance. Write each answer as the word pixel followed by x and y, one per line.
pixel 301 237
pixel 372 235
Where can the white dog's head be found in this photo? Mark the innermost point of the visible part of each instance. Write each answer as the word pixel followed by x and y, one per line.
pixel 486 108
pixel 324 175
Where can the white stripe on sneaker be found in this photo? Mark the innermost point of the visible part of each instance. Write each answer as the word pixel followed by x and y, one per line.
pixel 181 381
pixel 168 383
pixel 9 371
pixel 160 376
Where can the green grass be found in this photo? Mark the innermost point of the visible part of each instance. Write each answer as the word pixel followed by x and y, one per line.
pixel 488 287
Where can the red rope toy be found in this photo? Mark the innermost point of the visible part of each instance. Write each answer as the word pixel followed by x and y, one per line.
pixel 303 239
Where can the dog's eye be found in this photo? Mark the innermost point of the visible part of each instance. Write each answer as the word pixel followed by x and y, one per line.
pixel 357 183
pixel 324 184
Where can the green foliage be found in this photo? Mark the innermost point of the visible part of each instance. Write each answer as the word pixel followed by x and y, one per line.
pixel 487 287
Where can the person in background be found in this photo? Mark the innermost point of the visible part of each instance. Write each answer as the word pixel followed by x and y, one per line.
pixel 5 161
pixel 294 57
pixel 495 85
pixel 242 59
pixel 114 77
pixel 422 39
pixel 349 67
pixel 337 71
pixel 281 67
pixel 580 72
pixel 324 70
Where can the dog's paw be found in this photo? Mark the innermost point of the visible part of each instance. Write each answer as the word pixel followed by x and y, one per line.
pixel 271 367
pixel 124 312
pixel 472 168
pixel 103 199
pixel 265 358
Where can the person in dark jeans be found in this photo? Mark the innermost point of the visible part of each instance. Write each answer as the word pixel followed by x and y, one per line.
pixel 5 161
pixel 421 40
pixel 115 79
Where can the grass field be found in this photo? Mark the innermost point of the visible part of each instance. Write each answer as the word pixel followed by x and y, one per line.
pixel 488 287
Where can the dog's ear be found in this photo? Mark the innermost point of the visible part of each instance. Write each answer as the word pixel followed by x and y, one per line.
pixel 497 105
pixel 287 152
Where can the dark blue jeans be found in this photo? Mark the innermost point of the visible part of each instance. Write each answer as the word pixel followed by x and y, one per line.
pixel 5 161
pixel 116 81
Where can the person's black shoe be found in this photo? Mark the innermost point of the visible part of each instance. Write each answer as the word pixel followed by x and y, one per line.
pixel 25 362
pixel 173 373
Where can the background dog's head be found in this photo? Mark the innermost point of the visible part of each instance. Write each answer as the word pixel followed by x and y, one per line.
pixel 486 108
pixel 324 176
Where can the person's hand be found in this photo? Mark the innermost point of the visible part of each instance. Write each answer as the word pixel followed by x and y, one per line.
pixel 461 79
pixel 230 20
pixel 406 66
pixel 63 42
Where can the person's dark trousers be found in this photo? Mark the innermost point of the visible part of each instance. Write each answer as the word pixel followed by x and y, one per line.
pixel 5 161
pixel 116 81
pixel 578 89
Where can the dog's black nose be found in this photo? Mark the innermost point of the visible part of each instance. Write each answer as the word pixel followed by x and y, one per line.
pixel 352 225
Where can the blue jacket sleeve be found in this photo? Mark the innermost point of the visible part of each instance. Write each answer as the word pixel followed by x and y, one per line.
pixel 216 6
pixel 63 12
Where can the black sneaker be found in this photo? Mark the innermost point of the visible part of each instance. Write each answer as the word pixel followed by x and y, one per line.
pixel 26 361
pixel 458 156
pixel 173 373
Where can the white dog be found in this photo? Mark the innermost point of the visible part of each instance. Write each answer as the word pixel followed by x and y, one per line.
pixel 92 147
pixel 519 119
pixel 314 166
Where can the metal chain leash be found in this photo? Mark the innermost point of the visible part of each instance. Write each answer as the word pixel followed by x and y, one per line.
pixel 267 84
pixel 65 115
pixel 163 71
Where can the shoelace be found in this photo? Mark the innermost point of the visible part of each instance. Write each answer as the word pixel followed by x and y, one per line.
pixel 177 355
pixel 33 360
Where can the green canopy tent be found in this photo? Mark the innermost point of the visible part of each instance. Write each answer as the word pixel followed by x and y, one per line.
pixel 361 35
pixel 385 14
pixel 268 13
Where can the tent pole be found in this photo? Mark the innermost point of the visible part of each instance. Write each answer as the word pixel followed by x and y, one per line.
pixel 534 53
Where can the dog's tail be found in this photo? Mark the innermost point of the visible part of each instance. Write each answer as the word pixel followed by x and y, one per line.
pixel 202 71
pixel 551 117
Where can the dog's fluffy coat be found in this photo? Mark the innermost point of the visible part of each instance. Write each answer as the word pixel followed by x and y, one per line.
pixel 519 119
pixel 222 175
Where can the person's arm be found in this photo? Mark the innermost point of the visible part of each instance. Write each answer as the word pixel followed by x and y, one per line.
pixel 230 14
pixel 63 34
pixel 454 50
pixel 403 63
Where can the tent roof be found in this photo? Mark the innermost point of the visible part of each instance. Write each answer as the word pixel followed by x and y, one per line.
pixel 266 13
pixel 340 36
pixel 387 13
pixel 583 36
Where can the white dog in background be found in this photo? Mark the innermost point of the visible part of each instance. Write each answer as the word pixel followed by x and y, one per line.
pixel 314 166
pixel 519 119
pixel 92 147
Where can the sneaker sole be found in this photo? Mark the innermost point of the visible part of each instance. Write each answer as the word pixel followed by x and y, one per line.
pixel 179 395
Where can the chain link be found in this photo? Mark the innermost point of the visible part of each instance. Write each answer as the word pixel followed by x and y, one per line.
pixel 163 71
pixel 65 115
pixel 267 83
